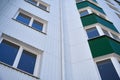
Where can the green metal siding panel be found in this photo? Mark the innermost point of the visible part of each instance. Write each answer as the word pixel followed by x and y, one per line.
pixel 100 46
pixel 106 23
pixel 88 20
pixel 89 4
pixel 104 45
pixel 95 1
pixel 115 45
pixel 93 18
pixel 82 5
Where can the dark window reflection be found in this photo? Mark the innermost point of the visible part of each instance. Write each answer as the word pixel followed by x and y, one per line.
pixel 37 25
pixel 107 70
pixel 84 13
pixel 8 52
pixel 92 33
pixel 23 18
pixel 27 62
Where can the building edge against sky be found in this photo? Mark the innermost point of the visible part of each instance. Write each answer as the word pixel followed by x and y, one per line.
pixel 46 40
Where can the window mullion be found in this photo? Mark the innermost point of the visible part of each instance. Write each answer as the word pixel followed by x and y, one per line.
pixel 37 3
pixel 99 30
pixel 31 21
pixel 110 34
pixel 18 57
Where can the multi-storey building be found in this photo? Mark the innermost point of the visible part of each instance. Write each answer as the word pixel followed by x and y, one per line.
pixel 59 40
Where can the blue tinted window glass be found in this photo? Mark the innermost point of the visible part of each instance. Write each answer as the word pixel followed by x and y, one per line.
pixel 84 13
pixel 92 33
pixel 8 52
pixel 23 18
pixel 33 2
pixel 27 62
pixel 37 25
pixel 107 70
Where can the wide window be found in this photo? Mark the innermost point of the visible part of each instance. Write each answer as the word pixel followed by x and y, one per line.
pixel 92 33
pixel 23 18
pixel 8 52
pixel 84 13
pixel 31 21
pixel 11 53
pixel 42 6
pixel 107 70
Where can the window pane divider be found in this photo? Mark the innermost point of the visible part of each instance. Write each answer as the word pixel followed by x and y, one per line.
pixel 31 21
pixel 17 59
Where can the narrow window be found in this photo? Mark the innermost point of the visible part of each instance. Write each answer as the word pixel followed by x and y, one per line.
pixel 37 25
pixel 107 70
pixel 92 32
pixel 8 52
pixel 23 18
pixel 27 62
pixel 84 13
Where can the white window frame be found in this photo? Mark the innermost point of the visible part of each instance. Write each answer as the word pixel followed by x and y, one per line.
pixel 84 11
pixel 23 46
pixel 96 29
pixel 33 17
pixel 115 58
pixel 91 10
pixel 100 29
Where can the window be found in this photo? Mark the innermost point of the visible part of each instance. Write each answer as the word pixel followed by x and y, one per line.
pixel 8 52
pixel 40 4
pixel 115 36
pixel 32 2
pixel 107 70
pixel 37 25
pixel 117 1
pixel 31 21
pixel 23 18
pixel 92 33
pixel 20 57
pixel 106 32
pixel 113 7
pixel 27 62
pixel 84 13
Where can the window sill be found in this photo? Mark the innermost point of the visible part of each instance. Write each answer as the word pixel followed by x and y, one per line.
pixel 29 26
pixel 19 70
pixel 37 6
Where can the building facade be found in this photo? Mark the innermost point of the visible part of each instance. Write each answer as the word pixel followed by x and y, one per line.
pixel 57 40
